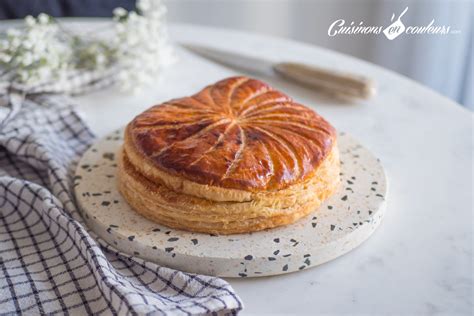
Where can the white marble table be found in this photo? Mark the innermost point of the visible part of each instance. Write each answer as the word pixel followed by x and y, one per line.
pixel 420 259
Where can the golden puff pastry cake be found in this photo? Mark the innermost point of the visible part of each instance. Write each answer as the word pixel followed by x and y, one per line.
pixel 236 157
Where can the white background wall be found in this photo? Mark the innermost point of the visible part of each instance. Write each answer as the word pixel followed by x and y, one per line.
pixel 441 62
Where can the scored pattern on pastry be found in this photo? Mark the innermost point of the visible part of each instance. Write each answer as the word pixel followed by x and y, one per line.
pixel 238 133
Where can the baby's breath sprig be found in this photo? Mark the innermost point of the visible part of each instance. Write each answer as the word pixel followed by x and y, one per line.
pixel 35 53
pixel 43 50
pixel 141 45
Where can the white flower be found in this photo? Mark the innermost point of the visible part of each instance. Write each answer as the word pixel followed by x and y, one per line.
pixel 43 18
pixel 30 21
pixel 100 59
pixel 23 75
pixel 28 44
pixel 15 43
pixel 133 16
pixel 27 59
pixel 5 58
pixel 119 12
pixel 143 5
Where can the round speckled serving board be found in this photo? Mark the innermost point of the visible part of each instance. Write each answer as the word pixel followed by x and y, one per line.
pixel 342 223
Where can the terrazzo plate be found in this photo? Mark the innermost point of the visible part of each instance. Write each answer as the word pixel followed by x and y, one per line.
pixel 342 223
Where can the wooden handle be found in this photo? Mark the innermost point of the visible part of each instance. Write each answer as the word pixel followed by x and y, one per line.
pixel 336 83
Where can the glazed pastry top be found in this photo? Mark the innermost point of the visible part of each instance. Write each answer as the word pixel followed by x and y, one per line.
pixel 238 133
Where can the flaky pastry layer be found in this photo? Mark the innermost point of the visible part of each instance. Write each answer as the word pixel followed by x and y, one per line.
pixel 155 199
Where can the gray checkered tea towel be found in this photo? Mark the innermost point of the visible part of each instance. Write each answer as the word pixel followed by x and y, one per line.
pixel 50 263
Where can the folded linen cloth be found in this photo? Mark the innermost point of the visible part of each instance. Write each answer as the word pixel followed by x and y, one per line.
pixel 49 261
